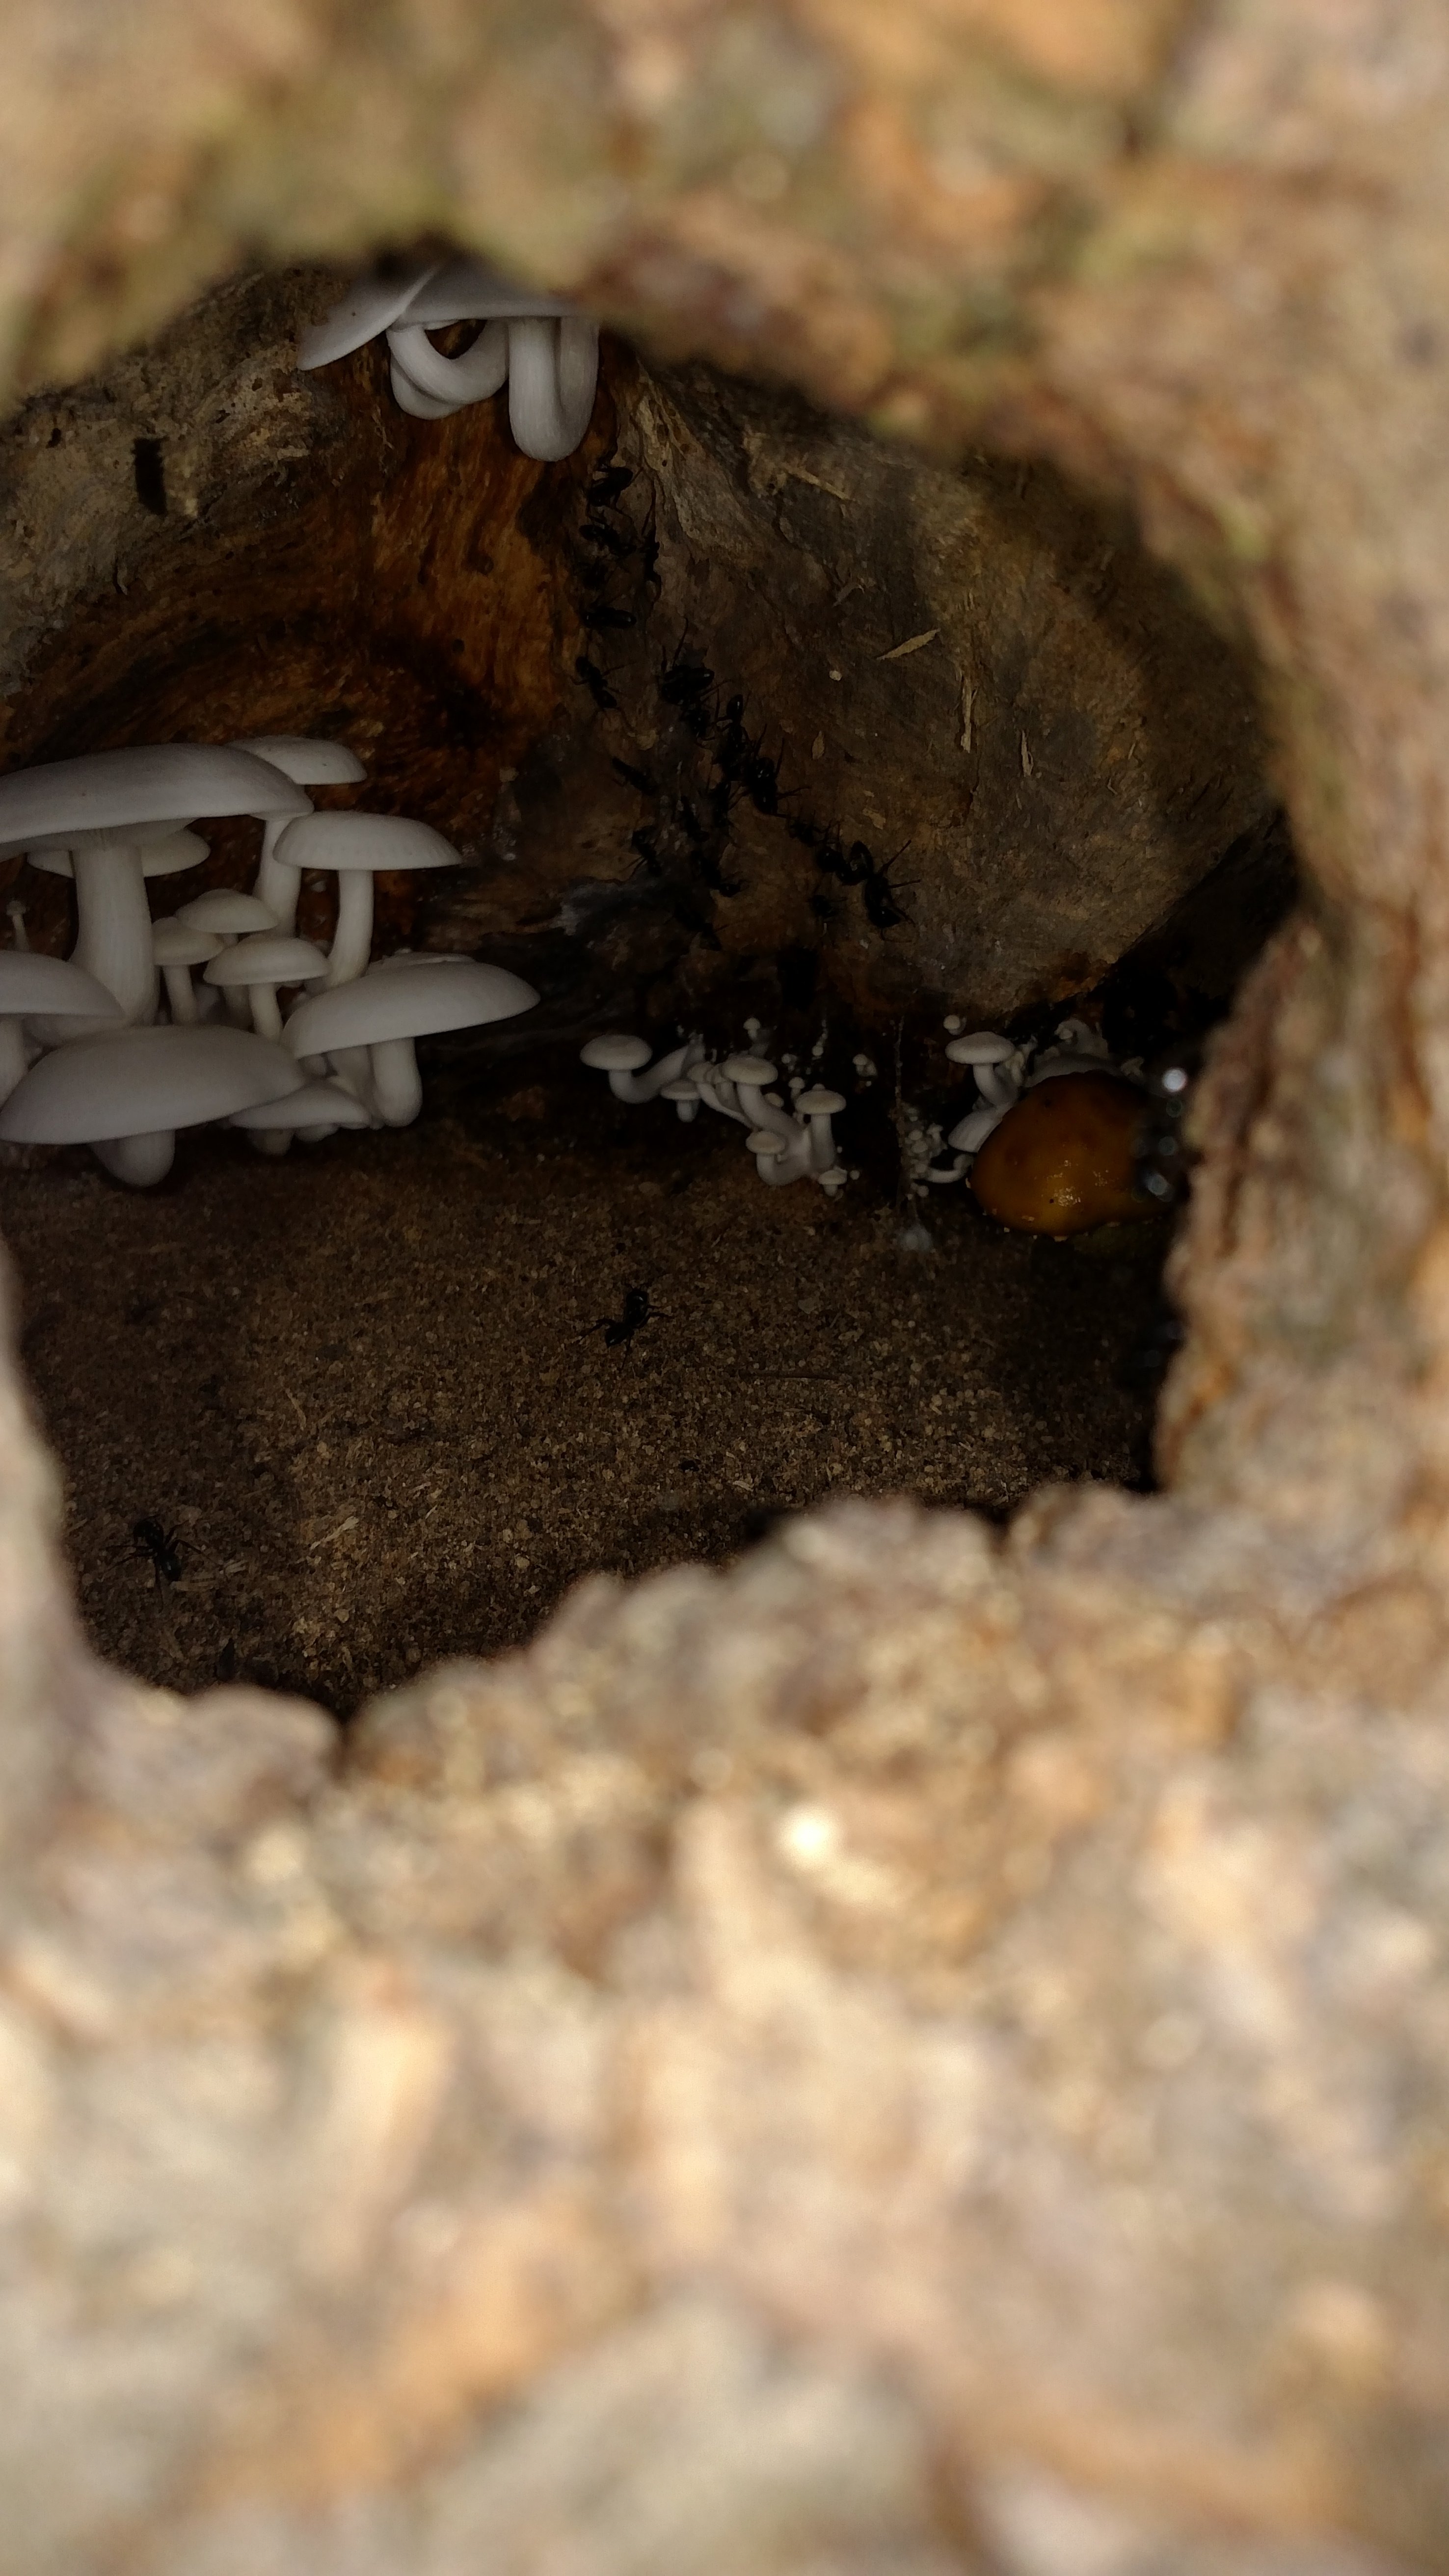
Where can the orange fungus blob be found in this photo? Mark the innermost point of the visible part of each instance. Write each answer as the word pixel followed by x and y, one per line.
pixel 1062 1159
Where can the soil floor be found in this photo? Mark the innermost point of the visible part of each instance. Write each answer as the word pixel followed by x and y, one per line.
pixel 364 1390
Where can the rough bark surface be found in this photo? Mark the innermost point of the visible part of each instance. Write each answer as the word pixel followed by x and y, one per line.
pixel 921 2053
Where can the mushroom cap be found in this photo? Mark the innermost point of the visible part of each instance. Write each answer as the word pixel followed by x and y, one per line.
pixel 615 1053
pixel 51 987
pixel 164 853
pixel 752 1072
pixel 144 1081
pixel 221 908
pixel 317 1104
pixel 180 943
pixel 980 1046
pixel 271 957
pixel 763 1140
pixel 369 306
pixel 466 290
pixel 405 1002
pixel 819 1103
pixel 371 841
pixel 682 1089
pixel 307 759
pixel 107 791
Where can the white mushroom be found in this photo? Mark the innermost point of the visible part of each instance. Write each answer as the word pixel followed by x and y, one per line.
pixel 314 1112
pixel 981 1046
pixel 752 1076
pixel 359 847
pixel 625 1059
pixel 970 1134
pixel 49 987
pixel 369 306
pixel 259 965
pixel 15 911
pixel 548 353
pixel 102 810
pixel 387 1010
pixel 771 1154
pixel 820 1105
pixel 685 1095
pixel 125 1096
pixel 177 947
pixel 308 761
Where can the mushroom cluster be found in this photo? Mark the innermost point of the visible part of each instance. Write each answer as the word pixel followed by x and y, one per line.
pixel 546 354
pixel 279 1038
pixel 793 1144
pixel 1048 1161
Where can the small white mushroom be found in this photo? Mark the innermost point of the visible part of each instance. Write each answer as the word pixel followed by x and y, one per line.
pixel 102 810
pixel 177 947
pixel 230 916
pixel 980 1046
pixel 125 1096
pixel 308 761
pixel 752 1076
pixel 970 1134
pixel 359 847
pixel 15 911
pixel 685 1096
pixel 820 1105
pixel 384 1012
pixel 48 987
pixel 626 1062
pixel 548 353
pixel 771 1155
pixel 259 965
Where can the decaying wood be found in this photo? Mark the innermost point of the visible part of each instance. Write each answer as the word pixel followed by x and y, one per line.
pixel 926 2051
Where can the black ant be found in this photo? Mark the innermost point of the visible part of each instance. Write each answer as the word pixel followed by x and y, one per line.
pixel 638 778
pixel 721 799
pixel 762 783
pixel 680 681
pixel 882 910
pixel 160 1547
pixel 619 1330
pixel 608 483
pixel 597 532
pixel 600 618
pixel 711 870
pixel 823 905
pixel 848 868
pixel 594 681
pixel 647 847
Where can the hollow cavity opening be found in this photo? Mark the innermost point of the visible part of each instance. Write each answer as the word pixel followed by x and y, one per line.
pixel 743 724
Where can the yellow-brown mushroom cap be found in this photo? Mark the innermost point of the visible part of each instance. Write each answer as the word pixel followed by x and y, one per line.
pixel 1063 1158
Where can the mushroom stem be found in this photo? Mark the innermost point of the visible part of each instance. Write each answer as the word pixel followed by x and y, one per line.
pixel 397 1085
pixel 266 1018
pixel 181 996
pixel 638 1087
pixel 455 381
pixel 113 942
pixel 351 946
pixel 553 373
pixel 16 911
pixel 277 885
pixel 13 1063
pixel 140 1161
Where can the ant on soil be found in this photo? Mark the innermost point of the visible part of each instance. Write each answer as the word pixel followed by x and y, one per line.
pixel 594 681
pixel 645 845
pixel 160 1546
pixel 619 1330
pixel 850 867
pixel 600 618
pixel 605 487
